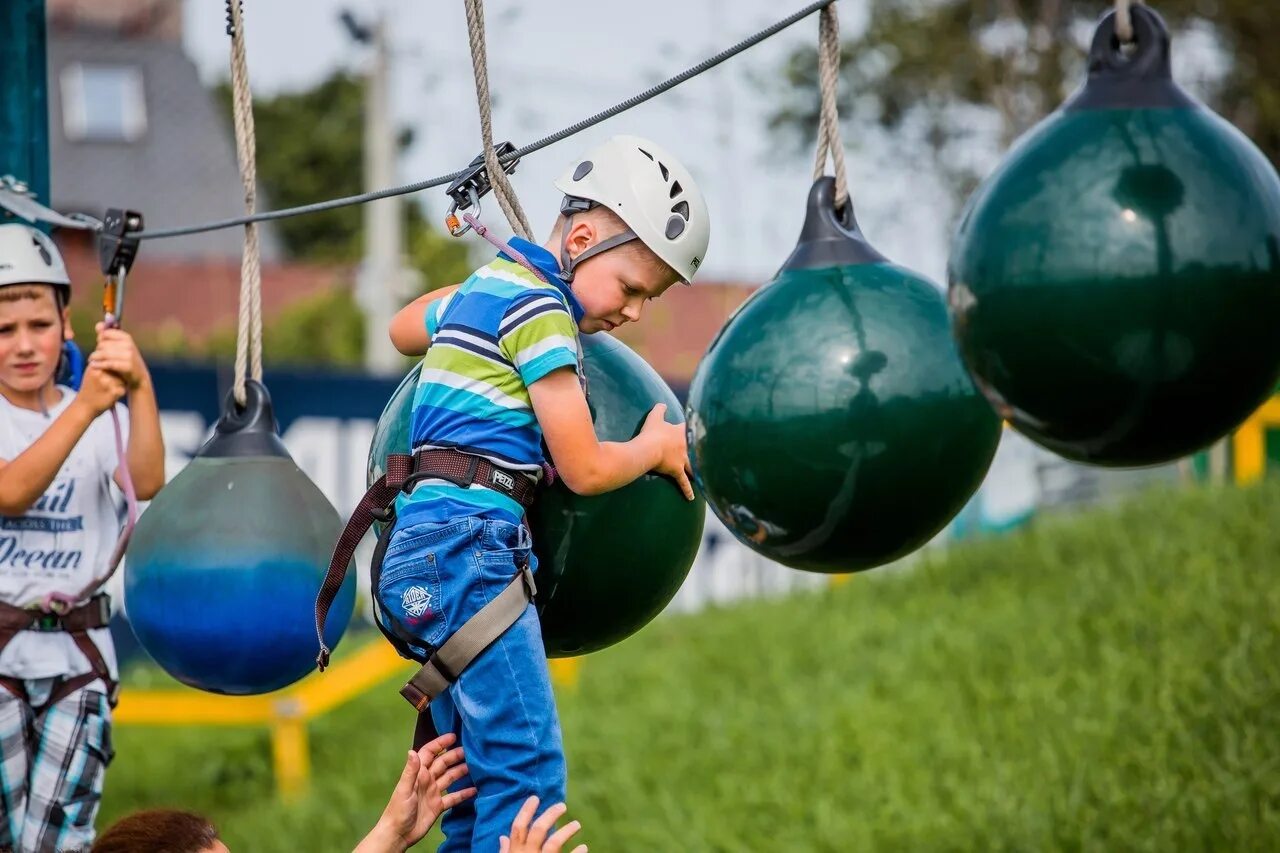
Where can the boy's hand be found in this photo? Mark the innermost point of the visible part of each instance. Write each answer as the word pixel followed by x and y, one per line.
pixel 420 796
pixel 100 390
pixel 118 353
pixel 673 446
pixel 533 839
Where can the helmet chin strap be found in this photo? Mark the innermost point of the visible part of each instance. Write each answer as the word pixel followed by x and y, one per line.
pixel 568 265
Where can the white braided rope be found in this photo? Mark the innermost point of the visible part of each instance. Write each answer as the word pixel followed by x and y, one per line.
pixel 1124 20
pixel 829 141
pixel 249 331
pixel 502 189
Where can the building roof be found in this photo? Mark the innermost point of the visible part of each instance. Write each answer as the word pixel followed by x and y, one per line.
pixel 182 168
pixel 676 330
pixel 193 296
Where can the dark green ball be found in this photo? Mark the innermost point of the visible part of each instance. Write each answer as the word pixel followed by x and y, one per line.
pixel 1115 285
pixel 831 424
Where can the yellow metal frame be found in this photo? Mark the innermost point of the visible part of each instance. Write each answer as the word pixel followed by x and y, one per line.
pixel 1249 444
pixel 286 712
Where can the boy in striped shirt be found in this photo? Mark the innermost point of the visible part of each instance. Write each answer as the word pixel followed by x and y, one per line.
pixel 500 376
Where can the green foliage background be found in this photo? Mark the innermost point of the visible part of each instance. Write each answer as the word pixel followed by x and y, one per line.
pixel 935 72
pixel 1109 681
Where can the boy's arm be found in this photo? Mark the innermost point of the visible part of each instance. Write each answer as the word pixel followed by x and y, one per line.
pixel 24 479
pixel 117 353
pixel 589 466
pixel 408 329
pixel 145 452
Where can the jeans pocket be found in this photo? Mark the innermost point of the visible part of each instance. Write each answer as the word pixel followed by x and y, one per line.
pixel 504 544
pixel 409 586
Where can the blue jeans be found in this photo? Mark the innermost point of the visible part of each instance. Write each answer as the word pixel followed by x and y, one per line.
pixel 437 575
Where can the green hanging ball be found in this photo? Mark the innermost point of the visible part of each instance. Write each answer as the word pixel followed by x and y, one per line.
pixel 831 424
pixel 1115 284
pixel 607 564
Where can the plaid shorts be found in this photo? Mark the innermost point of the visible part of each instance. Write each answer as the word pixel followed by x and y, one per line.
pixel 51 768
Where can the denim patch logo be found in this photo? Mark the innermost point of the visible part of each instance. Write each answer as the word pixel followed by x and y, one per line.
pixel 415 601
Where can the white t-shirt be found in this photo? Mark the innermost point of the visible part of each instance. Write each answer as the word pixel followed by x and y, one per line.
pixel 63 541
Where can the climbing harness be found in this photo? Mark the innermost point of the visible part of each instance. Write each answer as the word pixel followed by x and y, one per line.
pixel 442 666
pixel 77 622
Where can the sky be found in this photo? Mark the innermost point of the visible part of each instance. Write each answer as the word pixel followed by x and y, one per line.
pixel 551 64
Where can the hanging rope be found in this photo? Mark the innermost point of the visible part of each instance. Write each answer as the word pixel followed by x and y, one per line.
pixel 502 189
pixel 829 141
pixel 249 333
pixel 1124 20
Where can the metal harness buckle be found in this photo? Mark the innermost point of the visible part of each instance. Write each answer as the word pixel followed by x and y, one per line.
pixel 46 622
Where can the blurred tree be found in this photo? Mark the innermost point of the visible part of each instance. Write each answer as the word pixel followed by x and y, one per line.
pixel 311 147
pixel 940 70
pixel 325 328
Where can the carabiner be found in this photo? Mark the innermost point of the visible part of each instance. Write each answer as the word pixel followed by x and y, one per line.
pixel 453 222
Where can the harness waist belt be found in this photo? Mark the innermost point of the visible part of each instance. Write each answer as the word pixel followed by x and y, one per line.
pixel 463 469
pixel 95 613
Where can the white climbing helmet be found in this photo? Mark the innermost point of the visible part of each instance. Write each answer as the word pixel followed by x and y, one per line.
pixel 28 256
pixel 651 191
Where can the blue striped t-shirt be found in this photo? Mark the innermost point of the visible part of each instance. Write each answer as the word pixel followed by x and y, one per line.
pixel 500 332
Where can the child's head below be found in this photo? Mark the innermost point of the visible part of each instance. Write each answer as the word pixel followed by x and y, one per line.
pixel 633 222
pixel 161 831
pixel 34 319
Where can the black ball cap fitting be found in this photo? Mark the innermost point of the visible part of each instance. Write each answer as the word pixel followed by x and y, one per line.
pixel 830 238
pixel 248 430
pixel 1138 75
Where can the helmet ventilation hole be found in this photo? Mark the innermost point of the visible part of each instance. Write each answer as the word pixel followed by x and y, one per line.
pixel 675 227
pixel 676 189
pixel 682 208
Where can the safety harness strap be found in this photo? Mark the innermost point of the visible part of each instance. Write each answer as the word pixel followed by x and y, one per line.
pixel 466 644
pixel 98 670
pixel 391 629
pixel 373 506
pixel 464 469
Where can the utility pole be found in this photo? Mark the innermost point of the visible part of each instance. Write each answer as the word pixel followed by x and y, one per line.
pixel 24 96
pixel 383 282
